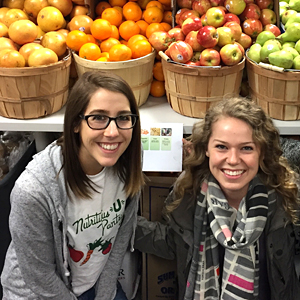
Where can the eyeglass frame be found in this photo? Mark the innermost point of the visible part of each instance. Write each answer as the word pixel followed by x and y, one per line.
pixel 86 117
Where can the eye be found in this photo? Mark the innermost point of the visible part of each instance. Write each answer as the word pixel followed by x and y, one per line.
pixel 247 148
pixel 98 118
pixel 125 118
pixel 221 147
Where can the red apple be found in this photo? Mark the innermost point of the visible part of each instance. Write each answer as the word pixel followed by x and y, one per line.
pixel 191 63
pixel 180 52
pixel 252 27
pixel 235 28
pixel 223 8
pixel 210 57
pixel 196 56
pixel 249 1
pixel 216 3
pixel 201 6
pixel 177 34
pixel 190 25
pixel 225 36
pixel 241 47
pixel 160 40
pixel 192 40
pixel 252 11
pixel 265 4
pixel 268 16
pixel 185 3
pixel 235 6
pixel 231 54
pixel 187 14
pixel 208 36
pixel 232 17
pixel 178 14
pixel 245 40
pixel 273 28
pixel 215 17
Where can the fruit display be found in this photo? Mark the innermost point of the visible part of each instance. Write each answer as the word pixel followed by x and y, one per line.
pixel 215 32
pixel 280 50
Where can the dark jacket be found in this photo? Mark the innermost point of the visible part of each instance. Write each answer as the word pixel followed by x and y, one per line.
pixel 175 240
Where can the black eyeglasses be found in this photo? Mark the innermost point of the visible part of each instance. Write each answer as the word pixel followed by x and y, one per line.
pixel 98 122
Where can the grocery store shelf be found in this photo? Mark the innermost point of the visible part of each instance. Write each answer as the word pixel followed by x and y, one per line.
pixel 155 110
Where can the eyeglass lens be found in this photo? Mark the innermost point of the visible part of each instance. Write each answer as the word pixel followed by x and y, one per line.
pixel 101 121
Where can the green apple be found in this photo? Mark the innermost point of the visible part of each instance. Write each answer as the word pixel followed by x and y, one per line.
pixel 288 44
pixel 286 15
pixel 282 59
pixel 297 46
pixel 292 34
pixel 283 7
pixel 269 47
pixel 296 62
pixel 292 19
pixel 264 36
pixel 292 50
pixel 295 5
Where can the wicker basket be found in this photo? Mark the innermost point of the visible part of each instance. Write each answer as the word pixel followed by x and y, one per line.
pixel 277 93
pixel 33 92
pixel 191 90
pixel 137 72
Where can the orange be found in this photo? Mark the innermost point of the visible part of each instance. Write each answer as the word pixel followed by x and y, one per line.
pixel 143 26
pixel 91 39
pixel 115 32
pixel 79 10
pixel 55 41
pixel 140 48
pixel 158 73
pixel 104 54
pixel 23 31
pixel 119 53
pixel 7 43
pixel 101 29
pixel 132 11
pixel 167 18
pixel 65 7
pixel 108 43
pixel 14 14
pixel 12 59
pixel 64 32
pixel 153 15
pixel 135 38
pixel 50 19
pixel 90 51
pixel 103 58
pixel 27 49
pixel 81 22
pixel 76 39
pixel 40 32
pixel 41 57
pixel 3 30
pixel 152 28
pixel 13 3
pixel 112 15
pixel 166 26
pixel 100 7
pixel 117 2
pixel 124 42
pixel 119 8
pixel 3 11
pixel 165 2
pixel 33 7
pixel 128 28
pixel 155 3
pixel 157 88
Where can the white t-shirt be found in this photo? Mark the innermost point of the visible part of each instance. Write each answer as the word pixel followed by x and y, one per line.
pixel 92 227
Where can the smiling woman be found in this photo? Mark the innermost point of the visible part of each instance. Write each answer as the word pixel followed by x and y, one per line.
pixel 91 176
pixel 231 212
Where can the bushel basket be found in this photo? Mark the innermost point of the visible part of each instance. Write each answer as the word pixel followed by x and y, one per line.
pixel 33 92
pixel 191 90
pixel 277 93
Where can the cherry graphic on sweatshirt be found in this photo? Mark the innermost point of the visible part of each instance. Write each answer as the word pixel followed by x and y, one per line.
pixel 76 255
pixel 106 247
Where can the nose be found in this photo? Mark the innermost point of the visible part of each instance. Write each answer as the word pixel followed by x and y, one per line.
pixel 233 157
pixel 112 129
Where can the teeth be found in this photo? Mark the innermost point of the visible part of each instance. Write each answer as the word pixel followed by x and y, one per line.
pixel 233 173
pixel 109 146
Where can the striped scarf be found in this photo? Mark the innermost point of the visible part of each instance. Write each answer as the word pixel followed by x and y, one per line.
pixel 217 224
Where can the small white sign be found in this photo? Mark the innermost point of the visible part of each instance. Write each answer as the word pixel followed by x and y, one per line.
pixel 162 144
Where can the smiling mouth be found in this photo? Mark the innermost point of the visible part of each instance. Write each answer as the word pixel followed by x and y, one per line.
pixel 233 173
pixel 109 146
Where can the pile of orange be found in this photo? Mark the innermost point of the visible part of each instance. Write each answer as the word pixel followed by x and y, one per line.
pixel 118 22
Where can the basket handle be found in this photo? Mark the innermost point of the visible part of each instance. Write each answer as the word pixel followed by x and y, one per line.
pixel 164 56
pixel 271 67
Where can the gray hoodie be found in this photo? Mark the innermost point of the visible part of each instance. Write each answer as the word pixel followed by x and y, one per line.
pixel 38 224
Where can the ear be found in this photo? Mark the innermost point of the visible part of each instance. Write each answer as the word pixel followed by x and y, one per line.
pixel 76 129
pixel 207 153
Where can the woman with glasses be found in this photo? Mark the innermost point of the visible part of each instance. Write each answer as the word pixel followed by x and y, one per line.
pixel 74 208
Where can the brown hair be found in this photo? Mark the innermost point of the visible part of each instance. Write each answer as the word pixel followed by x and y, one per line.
pixel 129 165
pixel 274 170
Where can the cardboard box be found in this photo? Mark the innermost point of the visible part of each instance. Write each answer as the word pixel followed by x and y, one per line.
pixel 158 275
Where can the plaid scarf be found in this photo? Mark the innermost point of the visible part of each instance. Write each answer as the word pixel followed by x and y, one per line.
pixel 217 224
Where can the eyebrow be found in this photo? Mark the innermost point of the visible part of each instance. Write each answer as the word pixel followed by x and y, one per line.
pixel 245 143
pixel 106 112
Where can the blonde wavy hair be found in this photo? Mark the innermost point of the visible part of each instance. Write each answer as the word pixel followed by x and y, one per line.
pixel 274 169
